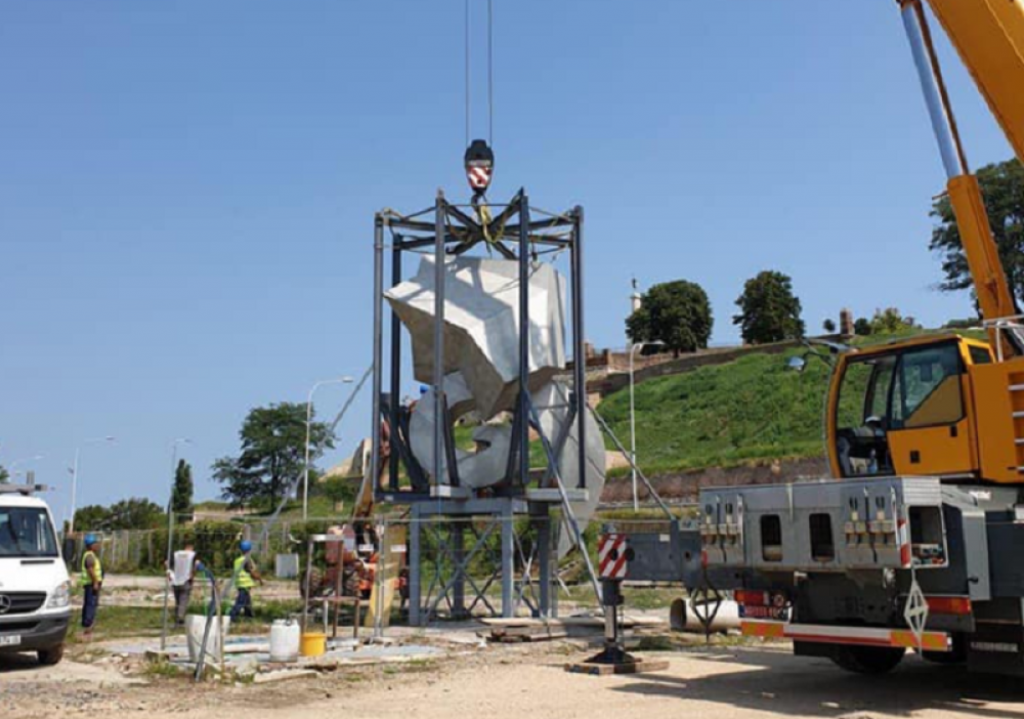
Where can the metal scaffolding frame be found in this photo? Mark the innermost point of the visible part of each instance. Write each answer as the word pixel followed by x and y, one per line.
pixel 449 230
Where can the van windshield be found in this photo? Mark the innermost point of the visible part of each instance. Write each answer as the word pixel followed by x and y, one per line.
pixel 26 532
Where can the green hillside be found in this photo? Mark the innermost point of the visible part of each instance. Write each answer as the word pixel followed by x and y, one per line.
pixel 750 409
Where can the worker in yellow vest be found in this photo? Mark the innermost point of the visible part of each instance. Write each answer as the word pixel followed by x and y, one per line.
pixel 246 575
pixel 91 579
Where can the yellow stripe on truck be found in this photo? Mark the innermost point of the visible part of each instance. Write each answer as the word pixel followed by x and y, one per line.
pixel 763 630
pixel 930 641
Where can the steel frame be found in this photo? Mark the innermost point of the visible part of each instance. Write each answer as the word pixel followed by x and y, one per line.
pixel 450 230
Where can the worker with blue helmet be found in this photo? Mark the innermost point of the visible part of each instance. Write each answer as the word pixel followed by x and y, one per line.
pixel 90 577
pixel 246 575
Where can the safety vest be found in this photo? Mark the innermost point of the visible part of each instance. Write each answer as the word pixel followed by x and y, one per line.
pixel 243 580
pixel 85 579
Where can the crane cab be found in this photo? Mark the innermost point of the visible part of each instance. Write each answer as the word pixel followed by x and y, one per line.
pixel 910 408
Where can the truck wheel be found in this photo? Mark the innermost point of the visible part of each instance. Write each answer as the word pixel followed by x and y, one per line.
pixel 50 657
pixel 868 660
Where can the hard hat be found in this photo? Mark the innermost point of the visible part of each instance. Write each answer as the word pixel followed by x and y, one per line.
pixel 246 545
pixel 91 539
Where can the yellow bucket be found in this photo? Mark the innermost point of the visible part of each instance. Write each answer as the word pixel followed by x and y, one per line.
pixel 313 644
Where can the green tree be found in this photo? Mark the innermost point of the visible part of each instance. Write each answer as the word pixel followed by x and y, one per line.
pixel 891 321
pixel 132 513
pixel 5 476
pixel 862 327
pixel 676 313
pixel 1002 186
pixel 272 459
pixel 91 517
pixel 339 489
pixel 135 513
pixel 769 311
pixel 181 495
pixel 829 326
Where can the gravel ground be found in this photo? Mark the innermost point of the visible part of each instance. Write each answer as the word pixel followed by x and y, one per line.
pixel 514 680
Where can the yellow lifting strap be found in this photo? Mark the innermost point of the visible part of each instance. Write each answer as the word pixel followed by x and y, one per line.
pixel 483 216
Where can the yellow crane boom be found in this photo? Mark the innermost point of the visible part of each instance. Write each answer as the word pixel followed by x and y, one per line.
pixel 989 37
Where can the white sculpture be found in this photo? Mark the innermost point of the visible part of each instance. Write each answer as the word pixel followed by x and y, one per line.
pixel 481 343
pixel 481 335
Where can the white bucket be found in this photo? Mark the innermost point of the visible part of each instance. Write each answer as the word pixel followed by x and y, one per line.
pixel 195 628
pixel 284 641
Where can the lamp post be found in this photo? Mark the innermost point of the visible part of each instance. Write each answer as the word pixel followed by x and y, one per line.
pixel 309 430
pixel 632 413
pixel 170 536
pixel 74 479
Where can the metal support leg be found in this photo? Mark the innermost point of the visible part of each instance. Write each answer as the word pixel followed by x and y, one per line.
pixel 394 469
pixel 415 562
pixel 458 542
pixel 507 561
pixel 543 525
pixel 378 349
pixel 613 653
pixel 439 278
pixel 579 351
pixel 523 441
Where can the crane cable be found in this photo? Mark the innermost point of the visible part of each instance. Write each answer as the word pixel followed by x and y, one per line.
pixel 490 72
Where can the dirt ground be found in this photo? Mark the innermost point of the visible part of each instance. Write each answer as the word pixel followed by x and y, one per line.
pixel 516 680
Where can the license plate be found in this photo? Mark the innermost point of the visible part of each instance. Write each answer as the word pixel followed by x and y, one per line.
pixel 12 640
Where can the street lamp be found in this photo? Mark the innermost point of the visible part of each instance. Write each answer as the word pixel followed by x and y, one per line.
pixel 632 413
pixel 309 430
pixel 74 479
pixel 170 535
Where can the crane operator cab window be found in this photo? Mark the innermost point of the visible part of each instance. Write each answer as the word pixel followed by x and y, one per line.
pixel 881 394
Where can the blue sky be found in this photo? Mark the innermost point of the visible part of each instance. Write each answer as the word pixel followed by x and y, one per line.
pixel 187 189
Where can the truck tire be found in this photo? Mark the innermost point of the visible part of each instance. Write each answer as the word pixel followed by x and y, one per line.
pixel 51 656
pixel 868 660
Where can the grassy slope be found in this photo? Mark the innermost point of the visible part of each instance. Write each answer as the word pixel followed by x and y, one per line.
pixel 746 410
pixel 753 408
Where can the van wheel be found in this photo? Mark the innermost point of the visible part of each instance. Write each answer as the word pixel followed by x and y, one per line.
pixel 50 657
pixel 868 660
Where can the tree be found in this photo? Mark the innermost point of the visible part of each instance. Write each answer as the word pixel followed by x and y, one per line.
pixel 891 321
pixel 340 489
pixel 769 311
pixel 91 517
pixel 5 476
pixel 829 326
pixel 676 313
pixel 134 513
pixel 1002 186
pixel 862 327
pixel 273 442
pixel 181 496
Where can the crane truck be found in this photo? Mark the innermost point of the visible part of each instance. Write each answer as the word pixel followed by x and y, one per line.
pixel 916 540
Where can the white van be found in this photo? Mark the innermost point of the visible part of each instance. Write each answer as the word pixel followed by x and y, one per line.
pixel 35 592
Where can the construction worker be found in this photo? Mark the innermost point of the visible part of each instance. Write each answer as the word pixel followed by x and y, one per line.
pixel 246 575
pixel 181 574
pixel 91 579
